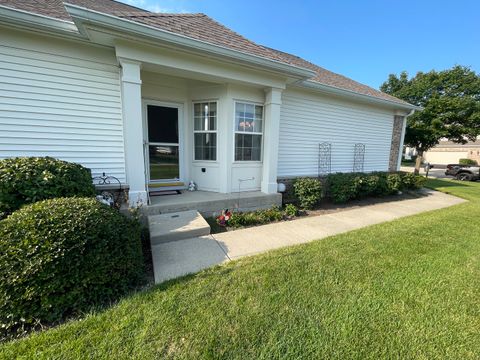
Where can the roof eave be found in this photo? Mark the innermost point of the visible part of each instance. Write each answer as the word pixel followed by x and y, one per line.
pixel 310 84
pixel 82 16
pixel 24 18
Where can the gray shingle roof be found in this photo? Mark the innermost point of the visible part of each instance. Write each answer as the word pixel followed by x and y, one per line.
pixel 198 27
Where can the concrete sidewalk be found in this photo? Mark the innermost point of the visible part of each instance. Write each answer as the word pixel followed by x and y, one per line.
pixel 177 258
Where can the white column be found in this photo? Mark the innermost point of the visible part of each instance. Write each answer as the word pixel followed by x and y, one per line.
pixel 133 132
pixel 273 102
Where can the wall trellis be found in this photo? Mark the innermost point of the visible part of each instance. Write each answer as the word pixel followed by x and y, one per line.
pixel 324 158
pixel 358 157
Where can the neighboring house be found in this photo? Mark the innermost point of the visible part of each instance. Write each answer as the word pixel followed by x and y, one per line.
pixel 158 100
pixel 448 152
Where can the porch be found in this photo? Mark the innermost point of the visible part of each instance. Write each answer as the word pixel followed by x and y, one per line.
pixel 210 203
pixel 211 127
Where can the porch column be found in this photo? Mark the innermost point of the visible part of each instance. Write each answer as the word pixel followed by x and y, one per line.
pixel 273 102
pixel 131 85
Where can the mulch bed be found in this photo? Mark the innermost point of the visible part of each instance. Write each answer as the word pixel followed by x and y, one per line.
pixel 328 207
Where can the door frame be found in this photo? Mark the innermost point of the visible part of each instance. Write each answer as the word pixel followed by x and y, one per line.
pixel 181 139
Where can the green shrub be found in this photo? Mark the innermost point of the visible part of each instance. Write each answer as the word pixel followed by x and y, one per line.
pixel 410 181
pixel 26 180
pixel 373 184
pixel 467 162
pixel 270 215
pixel 342 187
pixel 61 256
pixel 291 210
pixel 308 191
pixel 394 183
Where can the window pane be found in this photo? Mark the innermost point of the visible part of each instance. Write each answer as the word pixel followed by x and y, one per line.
pixel 248 147
pixel 205 116
pixel 257 126
pixel 259 112
pixel 198 123
pixel 197 110
pixel 249 111
pixel 212 123
pixel 248 117
pixel 163 162
pixel 205 146
pixel 162 124
pixel 212 109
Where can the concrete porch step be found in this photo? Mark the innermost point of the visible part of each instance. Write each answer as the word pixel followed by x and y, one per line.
pixel 176 226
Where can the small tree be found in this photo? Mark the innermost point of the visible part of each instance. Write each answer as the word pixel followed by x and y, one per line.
pixel 451 106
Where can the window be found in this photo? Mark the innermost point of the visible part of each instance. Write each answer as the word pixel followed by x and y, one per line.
pixel 205 130
pixel 248 132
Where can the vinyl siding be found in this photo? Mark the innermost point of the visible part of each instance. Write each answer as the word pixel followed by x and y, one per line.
pixel 62 100
pixel 309 119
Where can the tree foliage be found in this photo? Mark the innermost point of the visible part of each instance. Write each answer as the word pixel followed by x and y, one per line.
pixel 451 105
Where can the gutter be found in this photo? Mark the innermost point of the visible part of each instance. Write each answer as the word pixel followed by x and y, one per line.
pixel 352 94
pixel 81 16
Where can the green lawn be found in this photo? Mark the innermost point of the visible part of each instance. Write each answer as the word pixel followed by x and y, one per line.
pixel 400 290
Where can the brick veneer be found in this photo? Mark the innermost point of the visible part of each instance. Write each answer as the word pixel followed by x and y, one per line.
pixel 396 140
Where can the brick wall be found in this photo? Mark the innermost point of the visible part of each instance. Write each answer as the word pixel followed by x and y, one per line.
pixel 396 140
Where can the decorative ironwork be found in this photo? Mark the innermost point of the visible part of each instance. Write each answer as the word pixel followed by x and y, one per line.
pixel 324 158
pixel 358 157
pixel 109 190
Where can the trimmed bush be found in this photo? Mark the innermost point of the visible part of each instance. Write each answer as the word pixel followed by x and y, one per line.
pixel 26 180
pixel 61 256
pixel 394 183
pixel 410 181
pixel 470 162
pixel 240 219
pixel 308 192
pixel 342 187
pixel 291 210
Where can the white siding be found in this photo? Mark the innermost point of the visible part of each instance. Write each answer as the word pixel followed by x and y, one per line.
pixel 310 119
pixel 62 100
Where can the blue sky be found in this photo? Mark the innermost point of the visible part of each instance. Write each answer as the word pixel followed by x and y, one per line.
pixel 364 40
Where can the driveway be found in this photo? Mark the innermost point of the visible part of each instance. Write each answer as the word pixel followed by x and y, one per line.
pixel 433 173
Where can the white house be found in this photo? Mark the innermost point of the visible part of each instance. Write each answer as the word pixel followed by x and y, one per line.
pixel 158 100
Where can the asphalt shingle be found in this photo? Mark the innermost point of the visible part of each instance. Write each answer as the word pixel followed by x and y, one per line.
pixel 198 27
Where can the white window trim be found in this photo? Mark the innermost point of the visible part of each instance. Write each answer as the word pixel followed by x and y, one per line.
pixel 205 131
pixel 235 131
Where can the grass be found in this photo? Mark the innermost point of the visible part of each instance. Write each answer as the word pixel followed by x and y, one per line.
pixel 404 289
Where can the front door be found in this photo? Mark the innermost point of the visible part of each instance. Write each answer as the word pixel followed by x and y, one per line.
pixel 163 146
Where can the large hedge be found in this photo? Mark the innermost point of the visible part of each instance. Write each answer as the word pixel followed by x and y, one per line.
pixel 343 187
pixel 26 180
pixel 61 256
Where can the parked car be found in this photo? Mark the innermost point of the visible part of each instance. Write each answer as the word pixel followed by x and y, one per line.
pixel 463 172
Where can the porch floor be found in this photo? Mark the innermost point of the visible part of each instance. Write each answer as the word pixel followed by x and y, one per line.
pixel 210 203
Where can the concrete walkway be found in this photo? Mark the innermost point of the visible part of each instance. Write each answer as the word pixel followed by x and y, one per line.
pixel 177 258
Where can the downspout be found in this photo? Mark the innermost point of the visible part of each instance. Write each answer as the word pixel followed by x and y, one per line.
pixel 402 138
